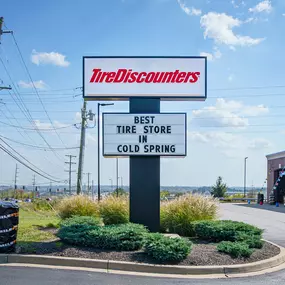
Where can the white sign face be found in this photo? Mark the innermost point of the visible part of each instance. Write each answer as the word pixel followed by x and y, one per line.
pixel 127 134
pixel 168 78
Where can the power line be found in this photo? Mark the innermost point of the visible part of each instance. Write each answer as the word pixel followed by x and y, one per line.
pixel 39 147
pixel 28 72
pixel 25 128
pixel 26 112
pixel 26 159
pixel 13 156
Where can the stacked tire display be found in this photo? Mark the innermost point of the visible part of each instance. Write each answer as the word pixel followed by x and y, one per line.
pixel 9 220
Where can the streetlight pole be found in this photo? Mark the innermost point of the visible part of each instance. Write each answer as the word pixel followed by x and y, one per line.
pixel 117 176
pixel 111 180
pixel 98 137
pixel 244 187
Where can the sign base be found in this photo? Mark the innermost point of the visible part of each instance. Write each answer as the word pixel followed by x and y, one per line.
pixel 145 177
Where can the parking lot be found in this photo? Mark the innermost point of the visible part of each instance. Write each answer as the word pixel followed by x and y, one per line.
pixel 267 217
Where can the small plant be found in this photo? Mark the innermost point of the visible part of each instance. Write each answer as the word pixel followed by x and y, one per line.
pixel 225 230
pixel 118 237
pixel 115 210
pixel 77 206
pixel 81 220
pixel 235 249
pixel 166 249
pixel 177 216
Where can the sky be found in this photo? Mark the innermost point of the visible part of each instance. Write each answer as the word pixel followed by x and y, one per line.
pixel 242 116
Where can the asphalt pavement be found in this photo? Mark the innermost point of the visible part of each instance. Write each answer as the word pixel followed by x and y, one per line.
pixel 39 276
pixel 269 218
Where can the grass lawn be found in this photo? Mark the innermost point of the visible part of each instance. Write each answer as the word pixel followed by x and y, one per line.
pixel 31 221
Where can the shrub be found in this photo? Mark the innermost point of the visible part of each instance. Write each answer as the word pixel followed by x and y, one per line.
pixel 76 234
pixel 253 241
pixel 235 249
pixel 77 206
pixel 166 249
pixel 114 210
pixel 81 220
pixel 225 230
pixel 178 215
pixel 118 237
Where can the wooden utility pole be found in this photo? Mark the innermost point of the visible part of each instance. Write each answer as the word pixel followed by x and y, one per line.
pixel 70 171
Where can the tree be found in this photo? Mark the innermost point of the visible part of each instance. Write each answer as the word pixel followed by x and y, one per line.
pixel 164 194
pixel 119 192
pixel 219 190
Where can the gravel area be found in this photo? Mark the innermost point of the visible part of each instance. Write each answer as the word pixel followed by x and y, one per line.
pixel 201 254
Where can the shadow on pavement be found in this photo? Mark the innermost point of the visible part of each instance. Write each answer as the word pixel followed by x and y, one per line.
pixel 266 207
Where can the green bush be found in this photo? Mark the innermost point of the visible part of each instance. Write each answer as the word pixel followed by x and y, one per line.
pixel 77 206
pixel 115 210
pixel 253 241
pixel 44 205
pixel 76 234
pixel 177 215
pixel 235 249
pixel 166 249
pixel 118 237
pixel 217 231
pixel 81 220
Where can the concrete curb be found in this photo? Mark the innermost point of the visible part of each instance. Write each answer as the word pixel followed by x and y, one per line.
pixel 109 265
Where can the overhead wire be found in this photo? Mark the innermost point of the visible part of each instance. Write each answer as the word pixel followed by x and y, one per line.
pixel 36 91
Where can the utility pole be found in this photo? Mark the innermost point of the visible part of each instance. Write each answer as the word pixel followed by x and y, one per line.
pixel 1 28
pixel 50 188
pixel 1 33
pixel 70 171
pixel 88 185
pixel 16 177
pixel 244 186
pixel 84 117
pixel 34 183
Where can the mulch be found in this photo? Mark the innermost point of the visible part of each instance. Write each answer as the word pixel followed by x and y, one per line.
pixel 201 254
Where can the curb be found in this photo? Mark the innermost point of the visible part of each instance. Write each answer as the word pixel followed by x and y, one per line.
pixel 145 268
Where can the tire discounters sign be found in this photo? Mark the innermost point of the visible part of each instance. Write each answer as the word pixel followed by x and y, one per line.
pixel 168 78
pixel 127 134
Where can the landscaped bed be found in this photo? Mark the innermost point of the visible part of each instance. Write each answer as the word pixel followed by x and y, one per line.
pixel 201 254
pixel 84 229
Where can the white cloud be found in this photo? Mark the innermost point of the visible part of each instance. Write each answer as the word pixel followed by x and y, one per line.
pixel 237 3
pixel 264 6
pixel 226 114
pixel 219 27
pixel 208 55
pixel 212 56
pixel 38 84
pixel 77 118
pixel 189 11
pixel 259 143
pixel 53 58
pixel 49 126
pixel 231 78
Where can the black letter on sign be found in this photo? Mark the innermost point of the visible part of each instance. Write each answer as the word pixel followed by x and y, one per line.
pixel 142 139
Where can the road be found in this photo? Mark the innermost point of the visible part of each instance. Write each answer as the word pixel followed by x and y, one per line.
pixel 39 276
pixel 269 218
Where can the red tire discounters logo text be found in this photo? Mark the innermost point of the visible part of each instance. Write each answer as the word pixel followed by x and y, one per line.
pixel 129 76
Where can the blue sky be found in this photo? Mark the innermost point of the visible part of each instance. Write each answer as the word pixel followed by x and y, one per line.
pixel 244 44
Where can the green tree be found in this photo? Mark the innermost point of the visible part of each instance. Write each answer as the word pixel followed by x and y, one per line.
pixel 164 194
pixel 219 189
pixel 119 192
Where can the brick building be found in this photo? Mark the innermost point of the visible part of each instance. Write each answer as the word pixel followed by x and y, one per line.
pixel 276 176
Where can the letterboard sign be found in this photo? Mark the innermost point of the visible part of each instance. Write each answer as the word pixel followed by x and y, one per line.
pixel 126 134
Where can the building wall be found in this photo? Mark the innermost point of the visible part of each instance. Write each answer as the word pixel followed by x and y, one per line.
pixel 272 166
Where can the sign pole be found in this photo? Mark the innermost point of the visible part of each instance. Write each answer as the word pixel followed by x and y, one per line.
pixel 145 176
